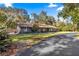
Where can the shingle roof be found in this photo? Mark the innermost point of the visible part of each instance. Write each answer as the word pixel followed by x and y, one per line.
pixel 31 25
pixel 26 24
pixel 47 26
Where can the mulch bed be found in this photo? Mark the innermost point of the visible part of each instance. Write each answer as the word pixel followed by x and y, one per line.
pixel 10 50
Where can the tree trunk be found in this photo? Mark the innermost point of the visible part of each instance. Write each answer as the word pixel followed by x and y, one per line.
pixel 75 27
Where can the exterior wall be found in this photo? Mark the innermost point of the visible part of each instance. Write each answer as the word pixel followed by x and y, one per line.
pixel 42 30
pixel 25 30
pixel 29 30
pixel 50 29
pixel 46 30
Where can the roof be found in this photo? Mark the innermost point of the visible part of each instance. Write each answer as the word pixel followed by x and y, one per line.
pixel 27 24
pixel 11 30
pixel 46 26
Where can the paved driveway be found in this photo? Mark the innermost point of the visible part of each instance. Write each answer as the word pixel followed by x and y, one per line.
pixel 60 45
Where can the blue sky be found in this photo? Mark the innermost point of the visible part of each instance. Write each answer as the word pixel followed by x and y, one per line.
pixel 51 8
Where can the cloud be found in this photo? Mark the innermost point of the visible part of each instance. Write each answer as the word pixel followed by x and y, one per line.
pixel 51 5
pixel 8 4
pixel 60 8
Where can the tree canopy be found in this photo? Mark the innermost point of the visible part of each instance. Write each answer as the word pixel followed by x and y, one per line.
pixel 70 11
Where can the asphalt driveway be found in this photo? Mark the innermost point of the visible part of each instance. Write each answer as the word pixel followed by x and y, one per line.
pixel 60 45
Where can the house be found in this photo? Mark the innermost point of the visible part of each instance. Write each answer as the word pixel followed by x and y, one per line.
pixel 26 27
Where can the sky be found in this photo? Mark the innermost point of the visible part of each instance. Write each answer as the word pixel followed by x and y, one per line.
pixel 51 8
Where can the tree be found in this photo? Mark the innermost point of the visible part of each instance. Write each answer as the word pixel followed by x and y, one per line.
pixel 11 24
pixel 24 15
pixel 34 16
pixel 71 11
pixel 60 26
pixel 4 40
pixel 50 20
pixel 43 17
pixel 35 27
pixel 8 17
pixel 3 18
pixel 67 27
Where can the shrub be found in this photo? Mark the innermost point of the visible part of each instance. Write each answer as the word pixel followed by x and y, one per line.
pixel 4 41
pixel 35 28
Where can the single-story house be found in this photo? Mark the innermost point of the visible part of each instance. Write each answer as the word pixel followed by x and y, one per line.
pixel 27 28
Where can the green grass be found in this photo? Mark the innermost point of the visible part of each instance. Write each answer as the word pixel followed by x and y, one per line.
pixel 76 36
pixel 32 36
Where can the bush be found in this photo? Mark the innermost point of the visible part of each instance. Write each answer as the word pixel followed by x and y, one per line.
pixel 35 28
pixel 67 27
pixel 4 41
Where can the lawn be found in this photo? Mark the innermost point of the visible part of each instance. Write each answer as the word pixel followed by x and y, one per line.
pixel 33 37
pixel 77 36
